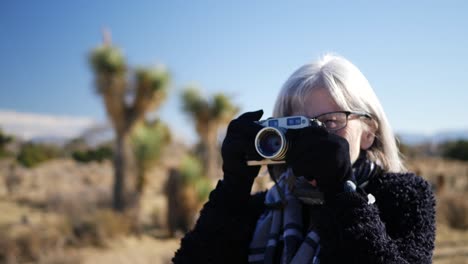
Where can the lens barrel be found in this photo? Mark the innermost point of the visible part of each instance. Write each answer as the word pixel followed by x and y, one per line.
pixel 271 143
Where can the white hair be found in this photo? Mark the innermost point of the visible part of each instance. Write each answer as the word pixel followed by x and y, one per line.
pixel 352 92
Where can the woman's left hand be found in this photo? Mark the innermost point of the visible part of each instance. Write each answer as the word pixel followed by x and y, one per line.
pixel 319 155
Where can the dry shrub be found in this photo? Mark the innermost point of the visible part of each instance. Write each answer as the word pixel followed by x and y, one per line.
pixel 80 202
pixel 134 250
pixel 98 227
pixel 452 210
pixel 450 182
pixel 60 256
pixel 52 184
pixel 45 241
pixel 112 224
pixel 28 243
pixel 454 172
pixel 89 217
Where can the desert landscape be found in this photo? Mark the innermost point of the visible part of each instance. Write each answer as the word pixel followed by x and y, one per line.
pixel 112 115
pixel 60 212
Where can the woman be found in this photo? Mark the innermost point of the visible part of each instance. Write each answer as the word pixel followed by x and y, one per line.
pixel 372 210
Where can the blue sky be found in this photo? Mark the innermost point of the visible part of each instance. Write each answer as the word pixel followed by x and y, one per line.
pixel 414 53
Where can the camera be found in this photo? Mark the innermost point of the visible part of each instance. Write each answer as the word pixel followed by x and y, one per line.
pixel 271 143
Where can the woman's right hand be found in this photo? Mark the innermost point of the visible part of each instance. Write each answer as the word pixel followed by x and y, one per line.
pixel 322 156
pixel 237 146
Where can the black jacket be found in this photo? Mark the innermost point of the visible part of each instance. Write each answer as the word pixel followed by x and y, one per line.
pixel 398 228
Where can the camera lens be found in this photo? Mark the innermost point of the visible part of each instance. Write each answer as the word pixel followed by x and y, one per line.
pixel 270 143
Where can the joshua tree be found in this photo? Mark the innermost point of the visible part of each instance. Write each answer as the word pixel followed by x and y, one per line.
pixel 148 140
pixel 209 115
pixel 4 141
pixel 126 101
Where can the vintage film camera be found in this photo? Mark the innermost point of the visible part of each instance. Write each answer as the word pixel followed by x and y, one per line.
pixel 271 143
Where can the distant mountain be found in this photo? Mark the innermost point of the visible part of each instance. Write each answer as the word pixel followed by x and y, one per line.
pixel 98 134
pixel 436 138
pixel 50 140
pixel 43 128
pixel 450 135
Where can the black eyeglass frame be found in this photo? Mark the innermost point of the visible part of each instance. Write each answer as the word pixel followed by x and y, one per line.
pixel 348 113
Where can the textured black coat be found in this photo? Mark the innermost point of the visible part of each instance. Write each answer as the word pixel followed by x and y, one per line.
pixel 398 228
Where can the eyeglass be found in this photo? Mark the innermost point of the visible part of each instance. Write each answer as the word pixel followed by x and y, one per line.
pixel 335 121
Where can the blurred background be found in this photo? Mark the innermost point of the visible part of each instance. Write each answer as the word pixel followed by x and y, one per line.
pixel 111 112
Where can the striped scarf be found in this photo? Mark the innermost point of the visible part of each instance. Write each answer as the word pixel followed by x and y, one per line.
pixel 279 232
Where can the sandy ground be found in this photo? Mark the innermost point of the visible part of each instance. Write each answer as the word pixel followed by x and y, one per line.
pixel 145 250
pixel 142 250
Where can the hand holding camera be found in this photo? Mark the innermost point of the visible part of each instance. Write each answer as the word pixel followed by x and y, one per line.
pixel 308 148
pixel 321 156
pixel 271 142
pixel 303 144
pixel 238 145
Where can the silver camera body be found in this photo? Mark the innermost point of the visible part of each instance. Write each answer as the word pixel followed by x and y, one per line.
pixel 271 143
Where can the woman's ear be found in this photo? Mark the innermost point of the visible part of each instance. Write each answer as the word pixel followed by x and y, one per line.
pixel 368 134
